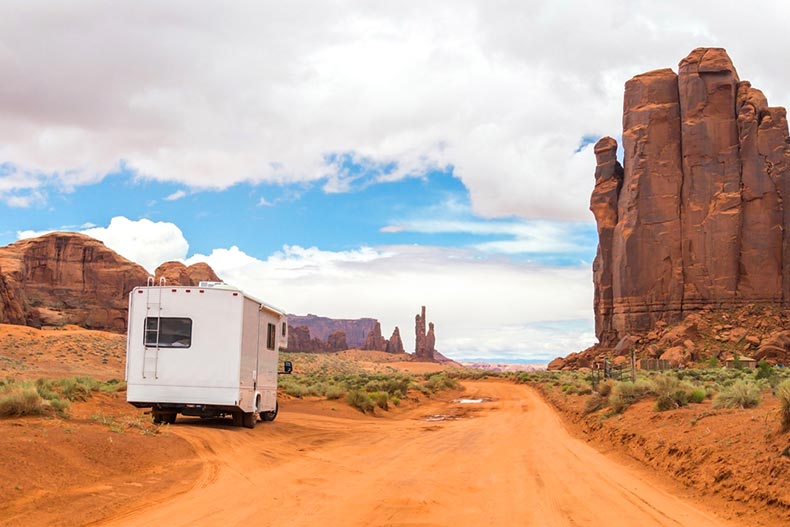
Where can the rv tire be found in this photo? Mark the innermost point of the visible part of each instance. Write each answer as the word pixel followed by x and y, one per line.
pixel 270 416
pixel 249 419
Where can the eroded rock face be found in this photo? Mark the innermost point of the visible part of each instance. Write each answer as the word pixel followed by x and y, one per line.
pixel 695 217
pixel 176 273
pixel 66 278
pixel 425 341
pixel 337 341
pixel 356 330
pixel 395 344
pixel 374 340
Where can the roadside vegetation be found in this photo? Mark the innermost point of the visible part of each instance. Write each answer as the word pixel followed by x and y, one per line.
pixel 334 378
pixel 725 388
pixel 49 396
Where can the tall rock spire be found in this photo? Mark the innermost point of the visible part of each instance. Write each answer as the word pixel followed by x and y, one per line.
pixel 696 216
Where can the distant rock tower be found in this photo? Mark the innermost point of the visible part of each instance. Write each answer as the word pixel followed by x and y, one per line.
pixel 425 342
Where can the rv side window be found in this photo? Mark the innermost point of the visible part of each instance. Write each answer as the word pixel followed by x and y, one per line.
pixel 168 332
pixel 284 328
pixel 270 336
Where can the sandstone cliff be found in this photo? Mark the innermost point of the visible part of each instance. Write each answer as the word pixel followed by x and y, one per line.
pixel 695 216
pixel 66 278
pixel 69 278
pixel 176 273
pixel 356 330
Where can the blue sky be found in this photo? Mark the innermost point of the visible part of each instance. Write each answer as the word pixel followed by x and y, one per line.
pixel 353 159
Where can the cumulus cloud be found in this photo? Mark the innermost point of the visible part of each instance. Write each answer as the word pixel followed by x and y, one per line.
pixel 471 298
pixel 501 92
pixel 143 241
pixel 178 194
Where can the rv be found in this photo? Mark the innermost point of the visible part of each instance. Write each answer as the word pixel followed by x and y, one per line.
pixel 207 351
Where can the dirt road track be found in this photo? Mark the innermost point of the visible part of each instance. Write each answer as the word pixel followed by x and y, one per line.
pixel 509 462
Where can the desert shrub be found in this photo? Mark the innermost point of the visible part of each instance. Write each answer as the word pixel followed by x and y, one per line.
pixel 670 392
pixel 333 392
pixel 783 393
pixel 440 381
pixel 45 388
pixel 604 389
pixel 764 370
pixel 360 400
pixel 594 403
pixel 741 394
pixel 18 400
pixel 60 406
pixel 697 395
pixel 626 393
pixel 77 388
pixel 381 399
pixel 585 391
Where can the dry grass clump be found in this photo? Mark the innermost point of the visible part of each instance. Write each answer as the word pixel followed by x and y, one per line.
pixel 741 394
pixel 783 393
pixel 626 393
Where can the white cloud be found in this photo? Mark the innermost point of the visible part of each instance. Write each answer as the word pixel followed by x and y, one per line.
pixel 269 91
pixel 469 297
pixel 178 194
pixel 145 242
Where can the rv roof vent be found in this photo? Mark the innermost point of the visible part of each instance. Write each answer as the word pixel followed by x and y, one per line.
pixel 210 284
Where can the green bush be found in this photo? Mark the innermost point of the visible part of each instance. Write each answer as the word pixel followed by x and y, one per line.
pixel 360 400
pixel 742 394
pixel 783 393
pixel 21 400
pixel 764 370
pixel 670 392
pixel 697 395
pixel 626 393
pixel 381 399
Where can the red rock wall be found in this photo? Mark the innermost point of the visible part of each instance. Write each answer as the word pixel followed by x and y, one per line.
pixel 66 278
pixel 698 219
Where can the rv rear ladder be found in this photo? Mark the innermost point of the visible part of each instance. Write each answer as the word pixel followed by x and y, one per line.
pixel 153 312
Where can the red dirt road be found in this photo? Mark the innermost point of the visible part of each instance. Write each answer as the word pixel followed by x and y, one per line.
pixel 509 461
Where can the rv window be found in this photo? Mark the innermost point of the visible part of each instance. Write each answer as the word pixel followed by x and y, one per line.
pixel 270 336
pixel 284 328
pixel 168 332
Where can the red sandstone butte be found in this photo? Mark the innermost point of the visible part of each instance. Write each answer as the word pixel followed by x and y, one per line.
pixel 695 217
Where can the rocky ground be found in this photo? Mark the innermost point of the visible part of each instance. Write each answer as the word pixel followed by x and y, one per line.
pixel 754 331
pixel 737 458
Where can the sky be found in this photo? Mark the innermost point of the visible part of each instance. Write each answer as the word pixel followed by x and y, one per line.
pixel 350 159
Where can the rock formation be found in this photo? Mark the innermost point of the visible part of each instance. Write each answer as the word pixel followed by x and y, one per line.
pixel 314 334
pixel 695 216
pixel 424 342
pixel 356 330
pixel 69 278
pixel 66 278
pixel 176 273
pixel 337 341
pixel 395 344
pixel 374 340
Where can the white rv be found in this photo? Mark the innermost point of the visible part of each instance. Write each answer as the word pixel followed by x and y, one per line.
pixel 207 351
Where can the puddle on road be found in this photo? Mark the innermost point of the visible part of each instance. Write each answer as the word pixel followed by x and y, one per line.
pixel 440 417
pixel 471 400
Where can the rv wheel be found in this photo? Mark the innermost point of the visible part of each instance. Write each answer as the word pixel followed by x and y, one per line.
pixel 270 416
pixel 159 417
pixel 171 418
pixel 249 419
